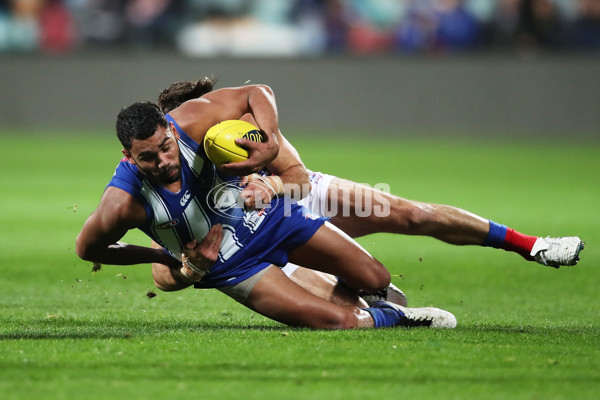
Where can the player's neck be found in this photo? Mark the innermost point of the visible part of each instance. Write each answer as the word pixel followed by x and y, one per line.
pixel 174 187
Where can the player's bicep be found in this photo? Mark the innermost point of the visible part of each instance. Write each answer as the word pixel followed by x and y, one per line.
pixel 196 116
pixel 116 214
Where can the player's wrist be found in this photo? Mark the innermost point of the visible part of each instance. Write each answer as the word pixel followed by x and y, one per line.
pixel 188 276
pixel 273 183
pixel 278 184
pixel 190 271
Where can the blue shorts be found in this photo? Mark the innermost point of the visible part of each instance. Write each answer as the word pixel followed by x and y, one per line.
pixel 277 236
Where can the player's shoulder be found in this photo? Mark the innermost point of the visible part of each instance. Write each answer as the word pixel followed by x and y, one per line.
pixel 125 171
pixel 191 112
pixel 122 206
pixel 230 94
pixel 122 195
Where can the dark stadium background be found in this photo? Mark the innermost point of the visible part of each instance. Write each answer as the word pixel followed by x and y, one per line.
pixel 446 67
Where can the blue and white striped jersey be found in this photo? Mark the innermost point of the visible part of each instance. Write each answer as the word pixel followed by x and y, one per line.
pixel 208 197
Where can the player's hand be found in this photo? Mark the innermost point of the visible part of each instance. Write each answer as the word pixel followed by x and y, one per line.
pixel 204 254
pixel 256 194
pixel 260 155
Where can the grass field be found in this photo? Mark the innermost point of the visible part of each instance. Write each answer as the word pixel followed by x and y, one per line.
pixel 525 331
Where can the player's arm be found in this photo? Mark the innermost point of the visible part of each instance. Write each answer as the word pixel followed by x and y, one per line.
pixel 169 277
pixel 98 240
pixel 290 169
pixel 119 212
pixel 196 116
pixel 288 176
pixel 200 257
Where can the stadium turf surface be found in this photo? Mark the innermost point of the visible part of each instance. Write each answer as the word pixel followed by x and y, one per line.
pixel 524 331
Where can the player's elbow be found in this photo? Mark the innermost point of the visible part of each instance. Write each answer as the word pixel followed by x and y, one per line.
pixel 265 89
pixel 260 91
pixel 160 286
pixel 81 249
pixel 84 250
pixel 169 287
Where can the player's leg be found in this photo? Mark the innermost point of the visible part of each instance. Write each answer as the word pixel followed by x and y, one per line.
pixel 323 285
pixel 275 296
pixel 332 251
pixel 328 287
pixel 360 210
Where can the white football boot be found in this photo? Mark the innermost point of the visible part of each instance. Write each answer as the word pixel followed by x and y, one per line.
pixel 556 252
pixel 429 317
pixel 391 293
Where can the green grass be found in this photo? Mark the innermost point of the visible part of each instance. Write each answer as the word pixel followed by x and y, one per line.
pixel 525 331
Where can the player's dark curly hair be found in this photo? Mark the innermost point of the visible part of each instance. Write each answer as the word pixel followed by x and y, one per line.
pixel 180 92
pixel 139 121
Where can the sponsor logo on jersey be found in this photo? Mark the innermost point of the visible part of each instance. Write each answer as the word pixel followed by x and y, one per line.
pixel 167 225
pixel 185 198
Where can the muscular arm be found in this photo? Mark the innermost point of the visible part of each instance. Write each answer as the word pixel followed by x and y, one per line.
pixel 255 104
pixel 167 277
pixel 117 213
pixel 196 116
pixel 288 166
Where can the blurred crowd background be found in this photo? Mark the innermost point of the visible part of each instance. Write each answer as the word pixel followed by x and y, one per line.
pixel 289 28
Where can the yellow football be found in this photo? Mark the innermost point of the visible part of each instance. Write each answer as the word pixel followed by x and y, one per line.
pixel 219 142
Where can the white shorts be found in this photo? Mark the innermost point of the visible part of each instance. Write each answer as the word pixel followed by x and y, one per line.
pixel 316 202
pixel 240 291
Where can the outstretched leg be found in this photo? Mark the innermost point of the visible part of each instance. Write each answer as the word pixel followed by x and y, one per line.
pixel 332 251
pixel 361 210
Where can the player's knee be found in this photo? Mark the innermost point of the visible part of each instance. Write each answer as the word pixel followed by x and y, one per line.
pixel 375 277
pixel 337 318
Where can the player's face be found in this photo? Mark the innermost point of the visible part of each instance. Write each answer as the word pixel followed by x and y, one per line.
pixel 157 157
